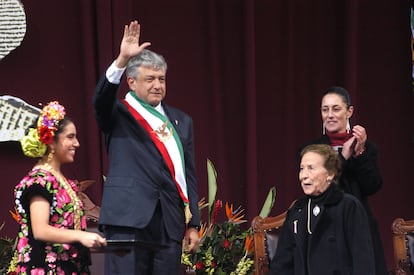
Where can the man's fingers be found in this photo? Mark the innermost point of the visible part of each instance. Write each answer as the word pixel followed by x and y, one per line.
pixel 145 44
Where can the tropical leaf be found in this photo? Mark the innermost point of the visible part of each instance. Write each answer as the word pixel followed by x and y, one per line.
pixel 212 185
pixel 269 202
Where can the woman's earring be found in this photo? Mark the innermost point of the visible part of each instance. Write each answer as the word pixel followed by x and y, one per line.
pixel 50 155
pixel 323 128
pixel 348 125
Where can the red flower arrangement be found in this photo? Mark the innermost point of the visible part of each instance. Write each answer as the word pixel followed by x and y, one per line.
pixel 48 121
pixel 225 248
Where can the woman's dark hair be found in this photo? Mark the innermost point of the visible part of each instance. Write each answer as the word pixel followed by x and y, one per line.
pixel 342 92
pixel 65 121
pixel 332 162
pixel 62 124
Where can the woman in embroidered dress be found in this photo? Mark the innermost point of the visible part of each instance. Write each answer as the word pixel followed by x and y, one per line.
pixel 52 237
pixel 326 232
pixel 361 176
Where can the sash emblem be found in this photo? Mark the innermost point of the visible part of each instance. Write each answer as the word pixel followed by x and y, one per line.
pixel 163 132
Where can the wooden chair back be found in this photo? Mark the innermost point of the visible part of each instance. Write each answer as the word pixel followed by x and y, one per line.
pixel 265 237
pixel 403 242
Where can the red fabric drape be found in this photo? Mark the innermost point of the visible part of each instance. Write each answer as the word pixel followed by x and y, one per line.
pixel 250 73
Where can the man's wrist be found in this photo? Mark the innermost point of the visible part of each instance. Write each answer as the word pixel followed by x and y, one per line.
pixel 114 74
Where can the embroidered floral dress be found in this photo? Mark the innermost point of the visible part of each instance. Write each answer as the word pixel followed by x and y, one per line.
pixel 37 257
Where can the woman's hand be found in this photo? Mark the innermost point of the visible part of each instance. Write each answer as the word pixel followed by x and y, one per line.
pixel 355 146
pixel 91 240
pixel 42 230
pixel 348 148
pixel 361 137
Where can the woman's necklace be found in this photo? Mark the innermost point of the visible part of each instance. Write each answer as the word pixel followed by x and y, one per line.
pixel 68 188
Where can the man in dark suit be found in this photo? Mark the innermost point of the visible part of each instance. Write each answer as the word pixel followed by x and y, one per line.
pixel 150 193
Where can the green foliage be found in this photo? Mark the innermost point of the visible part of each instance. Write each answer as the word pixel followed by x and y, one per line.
pixel 7 246
pixel 269 202
pixel 225 247
pixel 212 186
pixel 221 249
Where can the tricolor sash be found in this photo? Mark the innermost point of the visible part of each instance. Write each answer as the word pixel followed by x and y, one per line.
pixel 167 141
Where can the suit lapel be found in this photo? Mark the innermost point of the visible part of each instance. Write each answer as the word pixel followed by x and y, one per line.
pixel 172 116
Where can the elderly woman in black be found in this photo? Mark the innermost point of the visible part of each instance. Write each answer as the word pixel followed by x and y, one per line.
pixel 327 231
pixel 360 173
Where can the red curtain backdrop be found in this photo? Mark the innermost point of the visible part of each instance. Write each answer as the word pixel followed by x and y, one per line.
pixel 250 73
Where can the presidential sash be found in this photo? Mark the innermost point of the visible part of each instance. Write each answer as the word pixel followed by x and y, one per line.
pixel 167 141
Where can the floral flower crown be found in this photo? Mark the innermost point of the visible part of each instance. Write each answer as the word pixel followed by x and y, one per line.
pixel 34 144
pixel 48 121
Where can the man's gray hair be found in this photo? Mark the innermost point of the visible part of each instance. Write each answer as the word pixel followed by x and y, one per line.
pixel 148 59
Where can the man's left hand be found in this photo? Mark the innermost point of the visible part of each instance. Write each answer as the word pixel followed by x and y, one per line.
pixel 191 239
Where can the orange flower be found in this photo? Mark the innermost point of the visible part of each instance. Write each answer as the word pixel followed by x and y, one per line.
pixel 235 216
pixel 15 214
pixel 248 245
pixel 202 231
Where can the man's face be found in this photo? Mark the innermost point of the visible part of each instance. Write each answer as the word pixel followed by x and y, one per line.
pixel 149 85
